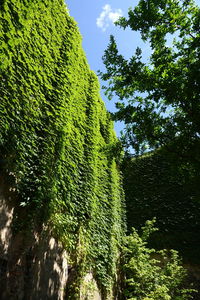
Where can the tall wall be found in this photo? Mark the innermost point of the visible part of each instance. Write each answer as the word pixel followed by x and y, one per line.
pixel 162 185
pixel 58 151
pixel 33 265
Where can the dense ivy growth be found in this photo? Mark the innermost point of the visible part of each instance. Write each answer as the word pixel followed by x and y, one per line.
pixel 163 186
pixel 56 137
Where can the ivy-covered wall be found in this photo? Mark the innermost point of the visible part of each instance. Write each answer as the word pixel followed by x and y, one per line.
pixel 162 185
pixel 56 137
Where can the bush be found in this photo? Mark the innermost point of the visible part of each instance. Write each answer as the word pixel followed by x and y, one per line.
pixel 151 274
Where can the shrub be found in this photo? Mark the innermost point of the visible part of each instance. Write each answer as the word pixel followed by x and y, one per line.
pixel 151 274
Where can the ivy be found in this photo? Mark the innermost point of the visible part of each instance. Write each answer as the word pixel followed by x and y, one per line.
pixel 56 134
pixel 161 185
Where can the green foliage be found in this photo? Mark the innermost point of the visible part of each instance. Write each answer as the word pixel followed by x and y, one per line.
pixel 160 185
pixel 55 134
pixel 150 274
pixel 160 95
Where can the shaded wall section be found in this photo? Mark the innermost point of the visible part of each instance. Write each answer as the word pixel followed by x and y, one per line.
pixel 164 186
pixel 33 265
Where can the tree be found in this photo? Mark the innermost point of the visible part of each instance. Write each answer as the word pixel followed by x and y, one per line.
pixel 160 98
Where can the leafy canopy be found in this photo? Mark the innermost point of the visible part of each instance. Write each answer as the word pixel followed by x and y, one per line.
pixel 160 97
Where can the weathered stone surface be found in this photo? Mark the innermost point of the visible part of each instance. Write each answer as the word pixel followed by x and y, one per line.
pixel 33 265
pixel 89 289
pixel 6 216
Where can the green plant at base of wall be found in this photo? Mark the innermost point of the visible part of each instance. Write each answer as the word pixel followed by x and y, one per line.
pixel 151 274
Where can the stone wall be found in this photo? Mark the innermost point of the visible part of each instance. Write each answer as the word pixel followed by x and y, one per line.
pixel 33 265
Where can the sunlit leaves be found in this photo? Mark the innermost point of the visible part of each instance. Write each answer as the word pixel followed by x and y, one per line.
pixel 152 274
pixel 56 136
pixel 169 78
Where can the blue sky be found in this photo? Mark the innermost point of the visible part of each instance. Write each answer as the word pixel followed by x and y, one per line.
pixel 95 21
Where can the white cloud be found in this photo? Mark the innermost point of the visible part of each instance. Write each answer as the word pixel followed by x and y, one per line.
pixel 108 16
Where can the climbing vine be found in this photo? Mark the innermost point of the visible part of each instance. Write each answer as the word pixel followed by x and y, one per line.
pixel 162 185
pixel 56 136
